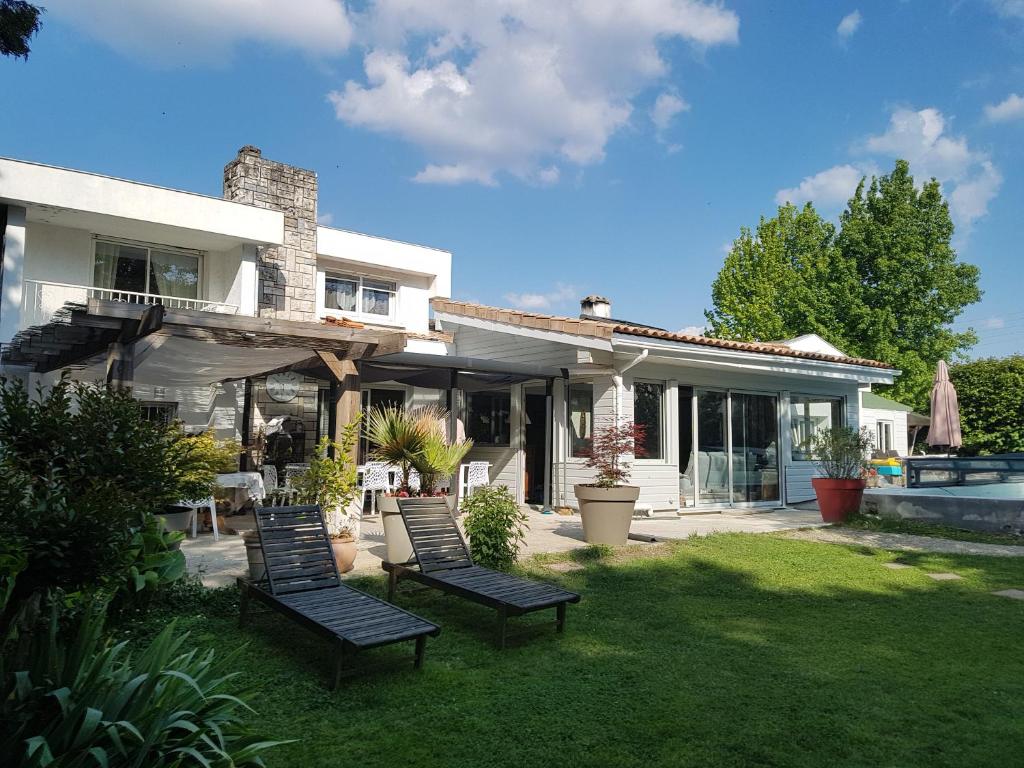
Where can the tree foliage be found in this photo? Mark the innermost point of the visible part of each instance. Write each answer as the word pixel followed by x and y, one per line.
pixel 886 285
pixel 991 395
pixel 19 21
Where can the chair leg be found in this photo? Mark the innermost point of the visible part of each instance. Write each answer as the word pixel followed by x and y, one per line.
pixel 560 617
pixel 392 585
pixel 213 519
pixel 502 626
pixel 339 667
pixel 195 522
pixel 421 647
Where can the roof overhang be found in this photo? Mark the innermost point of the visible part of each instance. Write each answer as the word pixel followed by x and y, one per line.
pixel 674 352
pixel 176 347
pixel 497 326
pixel 128 209
pixel 451 371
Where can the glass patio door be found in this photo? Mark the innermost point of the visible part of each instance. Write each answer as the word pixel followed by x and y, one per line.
pixel 735 461
pixel 755 448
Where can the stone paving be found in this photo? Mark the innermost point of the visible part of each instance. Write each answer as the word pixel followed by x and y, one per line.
pixel 907 542
pixel 218 563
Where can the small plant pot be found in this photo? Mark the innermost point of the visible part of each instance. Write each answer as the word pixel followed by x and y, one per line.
pixel 396 537
pixel 177 517
pixel 345 551
pixel 837 499
pixel 606 512
pixel 254 554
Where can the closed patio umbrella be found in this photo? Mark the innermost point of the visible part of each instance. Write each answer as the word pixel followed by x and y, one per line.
pixel 945 426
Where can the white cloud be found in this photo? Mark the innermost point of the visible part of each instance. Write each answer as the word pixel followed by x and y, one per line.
pixel 206 31
pixel 850 23
pixel 542 301
pixel 994 323
pixel 520 87
pixel 830 187
pixel 1010 108
pixel 922 137
pixel 665 108
pixel 692 330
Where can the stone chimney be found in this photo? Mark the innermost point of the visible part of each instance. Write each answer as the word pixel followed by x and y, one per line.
pixel 596 306
pixel 287 273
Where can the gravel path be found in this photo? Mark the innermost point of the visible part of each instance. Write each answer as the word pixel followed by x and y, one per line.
pixel 904 541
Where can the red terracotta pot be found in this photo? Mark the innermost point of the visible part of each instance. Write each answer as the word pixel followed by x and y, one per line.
pixel 837 499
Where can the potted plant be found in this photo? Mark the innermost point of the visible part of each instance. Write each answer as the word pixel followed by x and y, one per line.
pixel 332 482
pixel 408 440
pixel 606 505
pixel 840 454
pixel 198 459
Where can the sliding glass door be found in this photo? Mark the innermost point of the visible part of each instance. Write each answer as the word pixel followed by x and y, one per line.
pixel 732 455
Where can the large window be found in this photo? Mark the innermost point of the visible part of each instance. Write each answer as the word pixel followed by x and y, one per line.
pixel 488 417
pixel 809 415
pixel 144 269
pixel 360 295
pixel 649 413
pixel 580 399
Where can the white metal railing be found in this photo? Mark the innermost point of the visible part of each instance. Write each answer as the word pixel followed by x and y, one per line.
pixel 42 299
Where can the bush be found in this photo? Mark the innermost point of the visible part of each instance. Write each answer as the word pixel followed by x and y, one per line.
pixel 841 452
pixel 78 700
pixel 196 461
pixel 496 526
pixel 991 395
pixel 331 481
pixel 81 475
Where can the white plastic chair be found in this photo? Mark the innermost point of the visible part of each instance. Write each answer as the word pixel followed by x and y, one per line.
pixel 473 475
pixel 269 478
pixel 200 504
pixel 376 477
pixel 414 481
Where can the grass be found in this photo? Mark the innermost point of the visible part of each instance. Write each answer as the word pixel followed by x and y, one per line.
pixel 732 650
pixel 920 528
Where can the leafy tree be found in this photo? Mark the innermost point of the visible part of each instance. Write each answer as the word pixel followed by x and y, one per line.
pixel 911 285
pixel 886 286
pixel 785 279
pixel 991 396
pixel 19 21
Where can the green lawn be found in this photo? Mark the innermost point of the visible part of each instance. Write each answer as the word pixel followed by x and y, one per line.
pixel 734 650
pixel 921 528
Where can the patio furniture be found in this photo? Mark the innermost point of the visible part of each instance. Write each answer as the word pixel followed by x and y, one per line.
pixel 473 475
pixel 376 477
pixel 247 486
pixel 269 477
pixel 302 583
pixel 208 502
pixel 445 564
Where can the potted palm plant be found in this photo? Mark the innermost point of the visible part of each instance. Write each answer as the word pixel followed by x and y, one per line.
pixel 607 504
pixel 408 440
pixel 840 453
pixel 332 482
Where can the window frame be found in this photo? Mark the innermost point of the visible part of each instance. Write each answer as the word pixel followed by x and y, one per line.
pixel 794 450
pixel 663 458
pixel 200 257
pixel 568 416
pixel 360 280
pixel 467 398
pixel 147 406
pixel 890 426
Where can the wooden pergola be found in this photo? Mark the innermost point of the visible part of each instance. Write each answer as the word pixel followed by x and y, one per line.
pixel 115 339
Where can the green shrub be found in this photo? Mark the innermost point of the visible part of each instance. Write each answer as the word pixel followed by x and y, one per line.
pixel 78 700
pixel 496 526
pixel 841 452
pixel 991 395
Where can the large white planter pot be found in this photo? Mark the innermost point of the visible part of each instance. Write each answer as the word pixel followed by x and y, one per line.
pixel 396 537
pixel 606 512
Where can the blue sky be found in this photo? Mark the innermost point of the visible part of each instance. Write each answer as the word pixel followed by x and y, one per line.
pixel 556 149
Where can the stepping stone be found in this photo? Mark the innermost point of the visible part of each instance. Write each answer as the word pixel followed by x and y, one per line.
pixel 566 567
pixel 1013 594
pixel 944 576
pixel 896 566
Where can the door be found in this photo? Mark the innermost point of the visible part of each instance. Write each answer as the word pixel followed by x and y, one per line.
pixel 535 432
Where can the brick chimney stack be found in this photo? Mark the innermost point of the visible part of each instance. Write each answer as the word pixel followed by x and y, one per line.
pixel 287 273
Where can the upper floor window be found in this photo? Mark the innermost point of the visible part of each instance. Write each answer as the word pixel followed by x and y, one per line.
pixel 808 415
pixel 361 295
pixel 143 269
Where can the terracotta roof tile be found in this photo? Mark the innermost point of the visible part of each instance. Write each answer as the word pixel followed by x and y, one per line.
pixel 605 329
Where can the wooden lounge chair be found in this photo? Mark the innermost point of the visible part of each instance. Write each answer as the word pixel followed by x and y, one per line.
pixel 444 563
pixel 302 583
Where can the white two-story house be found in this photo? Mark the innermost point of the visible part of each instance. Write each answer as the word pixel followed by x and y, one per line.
pixel 237 312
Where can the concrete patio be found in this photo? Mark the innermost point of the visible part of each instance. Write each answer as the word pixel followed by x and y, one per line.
pixel 219 562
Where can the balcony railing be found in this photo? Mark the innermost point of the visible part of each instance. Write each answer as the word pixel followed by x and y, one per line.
pixel 42 299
